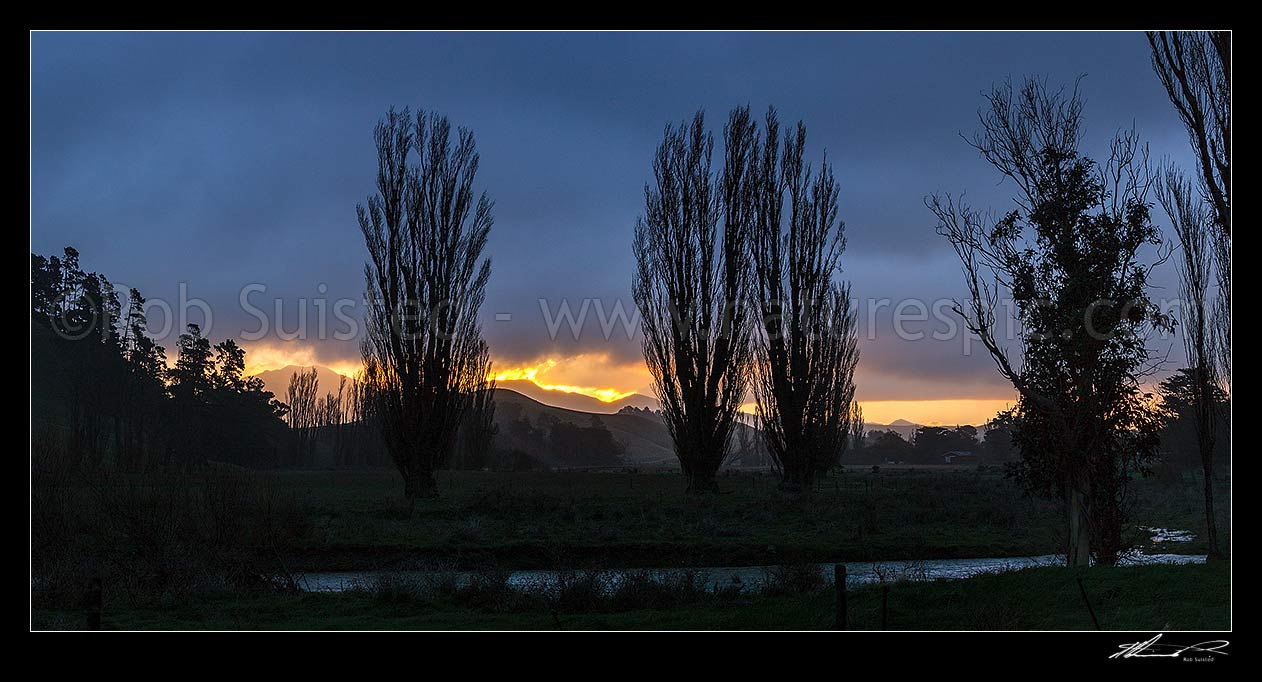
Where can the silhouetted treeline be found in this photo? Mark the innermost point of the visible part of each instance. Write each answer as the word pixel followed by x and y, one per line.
pixel 102 392
pixel 880 447
pixel 336 429
pixel 1179 442
pixel 932 444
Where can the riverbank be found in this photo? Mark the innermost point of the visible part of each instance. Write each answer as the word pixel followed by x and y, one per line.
pixel 1188 597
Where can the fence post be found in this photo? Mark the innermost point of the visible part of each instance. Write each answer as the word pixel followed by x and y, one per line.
pixel 1083 591
pixel 95 601
pixel 839 584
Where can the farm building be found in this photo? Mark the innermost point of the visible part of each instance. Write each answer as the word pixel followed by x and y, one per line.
pixel 959 457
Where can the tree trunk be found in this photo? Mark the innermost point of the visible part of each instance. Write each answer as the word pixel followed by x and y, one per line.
pixel 702 482
pixel 419 483
pixel 1079 528
pixel 796 481
pixel 1211 525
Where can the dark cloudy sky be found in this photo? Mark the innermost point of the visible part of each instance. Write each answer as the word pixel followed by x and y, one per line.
pixel 221 160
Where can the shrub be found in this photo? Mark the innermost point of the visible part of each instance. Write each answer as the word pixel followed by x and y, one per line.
pixel 794 578
pixel 159 534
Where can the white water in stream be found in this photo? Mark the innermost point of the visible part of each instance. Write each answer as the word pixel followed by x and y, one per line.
pixel 750 577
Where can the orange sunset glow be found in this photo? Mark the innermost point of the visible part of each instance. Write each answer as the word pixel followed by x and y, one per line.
pixel 262 357
pixel 601 377
pixel 934 412
pixel 588 374
pixel 947 412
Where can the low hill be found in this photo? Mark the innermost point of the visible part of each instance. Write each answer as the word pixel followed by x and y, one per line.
pixel 576 401
pixel 640 431
pixel 643 435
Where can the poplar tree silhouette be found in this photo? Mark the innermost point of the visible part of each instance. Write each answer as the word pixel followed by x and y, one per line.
pixel 807 350
pixel 690 285
pixel 424 356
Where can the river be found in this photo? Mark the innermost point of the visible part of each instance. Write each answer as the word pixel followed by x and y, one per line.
pixel 749 578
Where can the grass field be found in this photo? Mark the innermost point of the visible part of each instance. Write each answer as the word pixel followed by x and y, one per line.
pixel 576 519
pixel 1135 598
pixel 205 549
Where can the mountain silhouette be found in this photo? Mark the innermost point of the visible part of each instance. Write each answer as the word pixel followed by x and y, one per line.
pixel 277 380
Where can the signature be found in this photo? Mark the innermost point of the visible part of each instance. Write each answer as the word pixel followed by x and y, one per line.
pixel 1152 649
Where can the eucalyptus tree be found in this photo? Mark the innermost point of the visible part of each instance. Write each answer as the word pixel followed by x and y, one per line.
pixel 1068 255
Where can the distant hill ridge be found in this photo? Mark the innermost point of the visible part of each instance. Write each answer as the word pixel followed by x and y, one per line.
pixel 576 401
pixel 277 381
pixel 644 435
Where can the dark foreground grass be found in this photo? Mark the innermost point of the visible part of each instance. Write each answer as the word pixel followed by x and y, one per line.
pixel 578 519
pixel 1194 597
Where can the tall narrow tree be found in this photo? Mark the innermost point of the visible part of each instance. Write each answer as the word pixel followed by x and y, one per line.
pixel 690 285
pixel 424 356
pixel 364 429
pixel 1068 255
pixel 1195 69
pixel 191 376
pixel 857 427
pixel 143 390
pixel 333 416
pixel 807 350
pixel 1192 225
pixel 188 422
pixel 302 400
